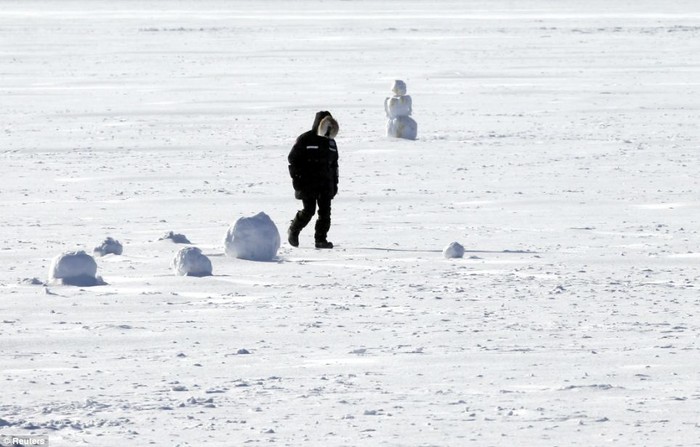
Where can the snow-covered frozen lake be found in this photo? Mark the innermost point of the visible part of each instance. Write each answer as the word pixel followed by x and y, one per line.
pixel 558 142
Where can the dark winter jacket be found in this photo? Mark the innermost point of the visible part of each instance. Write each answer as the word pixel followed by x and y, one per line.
pixel 313 161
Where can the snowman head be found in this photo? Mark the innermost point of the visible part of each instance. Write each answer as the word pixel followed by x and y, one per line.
pixel 399 88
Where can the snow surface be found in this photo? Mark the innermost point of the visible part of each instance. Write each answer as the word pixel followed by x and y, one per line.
pixel 559 144
pixel 254 238
pixel 190 261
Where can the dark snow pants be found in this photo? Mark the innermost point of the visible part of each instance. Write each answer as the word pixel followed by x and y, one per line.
pixel 323 223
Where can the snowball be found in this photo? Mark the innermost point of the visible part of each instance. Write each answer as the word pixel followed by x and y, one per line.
pixel 75 268
pixel 109 246
pixel 190 261
pixel 399 88
pixel 253 238
pixel 398 106
pixel 175 237
pixel 402 127
pixel 454 250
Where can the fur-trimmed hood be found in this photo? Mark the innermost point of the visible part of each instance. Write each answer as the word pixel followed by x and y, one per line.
pixel 328 127
pixel 317 119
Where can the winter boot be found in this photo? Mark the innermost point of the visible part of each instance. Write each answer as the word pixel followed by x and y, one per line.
pixel 301 219
pixel 323 224
pixel 293 235
pixel 324 244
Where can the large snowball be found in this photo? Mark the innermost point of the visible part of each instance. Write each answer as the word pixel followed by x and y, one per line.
pixel 190 261
pixel 109 246
pixel 398 106
pixel 402 127
pixel 253 238
pixel 75 268
pixel 454 250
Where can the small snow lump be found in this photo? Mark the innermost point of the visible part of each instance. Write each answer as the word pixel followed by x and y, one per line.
pixel 175 237
pixel 454 250
pixel 190 261
pixel 109 246
pixel 253 238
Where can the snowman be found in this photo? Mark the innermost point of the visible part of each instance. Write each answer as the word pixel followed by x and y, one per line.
pixel 398 110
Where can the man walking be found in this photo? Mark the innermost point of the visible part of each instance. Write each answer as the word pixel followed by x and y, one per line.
pixel 313 165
